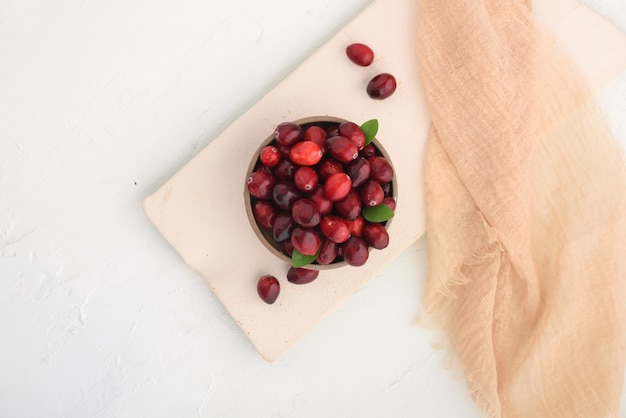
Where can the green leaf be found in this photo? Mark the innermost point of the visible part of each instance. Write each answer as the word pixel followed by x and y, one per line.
pixel 380 213
pixel 370 129
pixel 300 260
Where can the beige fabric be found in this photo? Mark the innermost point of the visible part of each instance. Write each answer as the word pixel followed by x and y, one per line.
pixel 526 215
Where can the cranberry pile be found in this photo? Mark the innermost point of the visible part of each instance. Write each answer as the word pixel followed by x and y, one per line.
pixel 321 193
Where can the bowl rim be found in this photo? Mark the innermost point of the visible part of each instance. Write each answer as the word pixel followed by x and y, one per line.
pixel 264 236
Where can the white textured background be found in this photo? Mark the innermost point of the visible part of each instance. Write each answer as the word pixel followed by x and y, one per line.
pixel 100 103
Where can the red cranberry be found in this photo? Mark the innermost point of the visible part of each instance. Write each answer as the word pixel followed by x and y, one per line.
pixel 381 170
pixel 305 213
pixel 342 149
pixel 306 240
pixel 284 194
pixel 350 206
pixel 328 252
pixel 262 167
pixel 372 193
pixel 386 188
pixel 285 170
pixel 288 247
pixel 360 54
pixel 355 251
pixel 337 186
pixel 283 225
pixel 264 213
pixel 270 156
pixel 301 275
pixel 305 153
pixel 261 184
pixel 353 132
pixel 288 133
pixel 329 166
pixel 316 134
pixel 334 228
pixel 332 130
pixel 306 179
pixel 381 86
pixel 324 205
pixel 282 149
pixel 391 202
pixel 268 288
pixel 368 151
pixel 359 171
pixel 375 235
pixel 355 226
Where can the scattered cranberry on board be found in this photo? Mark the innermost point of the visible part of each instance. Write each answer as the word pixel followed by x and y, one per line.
pixel 360 54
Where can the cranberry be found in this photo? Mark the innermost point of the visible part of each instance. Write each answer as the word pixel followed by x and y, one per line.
pixel 328 252
pixel 342 149
pixel 262 167
pixel 305 213
pixel 306 179
pixel 288 247
pixel 334 228
pixel 368 151
pixel 301 275
pixel 355 226
pixel 381 86
pixel 324 205
pixel 305 153
pixel 264 213
pixel 316 134
pixel 329 166
pixel 284 194
pixel 355 251
pixel 268 288
pixel 391 202
pixel 288 133
pixel 261 184
pixel 285 170
pixel 283 225
pixel 375 235
pixel 283 150
pixel 386 188
pixel 359 171
pixel 381 170
pixel 306 241
pixel 372 193
pixel 353 132
pixel 270 156
pixel 350 206
pixel 360 54
pixel 332 130
pixel 337 186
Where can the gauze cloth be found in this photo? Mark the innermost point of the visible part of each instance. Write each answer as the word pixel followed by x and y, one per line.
pixel 526 215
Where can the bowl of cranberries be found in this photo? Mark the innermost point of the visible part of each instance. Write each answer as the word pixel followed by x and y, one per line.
pixel 320 192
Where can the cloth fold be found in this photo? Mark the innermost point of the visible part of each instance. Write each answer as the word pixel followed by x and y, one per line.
pixel 526 214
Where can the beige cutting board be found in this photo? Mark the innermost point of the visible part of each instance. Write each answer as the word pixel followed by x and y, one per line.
pixel 201 213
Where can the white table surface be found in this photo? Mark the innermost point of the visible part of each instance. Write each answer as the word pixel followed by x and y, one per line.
pixel 100 103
